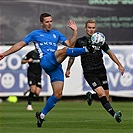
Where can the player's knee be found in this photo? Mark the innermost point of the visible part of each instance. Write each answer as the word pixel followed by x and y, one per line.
pixel 58 95
pixel 37 91
pixel 100 92
pixel 37 94
pixel 33 90
pixel 108 98
pixel 101 95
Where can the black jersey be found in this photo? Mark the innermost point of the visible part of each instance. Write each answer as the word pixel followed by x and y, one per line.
pixel 34 66
pixel 91 62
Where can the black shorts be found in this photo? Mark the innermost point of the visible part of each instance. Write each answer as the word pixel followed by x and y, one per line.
pixel 96 79
pixel 34 80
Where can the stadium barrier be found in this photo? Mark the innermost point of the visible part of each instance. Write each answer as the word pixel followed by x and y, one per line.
pixel 13 79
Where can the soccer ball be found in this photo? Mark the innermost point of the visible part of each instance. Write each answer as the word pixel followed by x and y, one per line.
pixel 98 39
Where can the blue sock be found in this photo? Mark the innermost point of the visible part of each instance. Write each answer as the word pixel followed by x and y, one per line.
pixel 50 104
pixel 73 52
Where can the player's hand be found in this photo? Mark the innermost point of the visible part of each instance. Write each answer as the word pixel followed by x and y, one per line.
pixel 72 25
pixel 30 60
pixel 121 69
pixel 67 74
pixel 2 55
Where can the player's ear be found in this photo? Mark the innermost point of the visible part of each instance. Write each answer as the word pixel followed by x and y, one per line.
pixel 85 28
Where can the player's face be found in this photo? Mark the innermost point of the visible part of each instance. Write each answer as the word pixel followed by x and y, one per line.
pixel 90 28
pixel 47 23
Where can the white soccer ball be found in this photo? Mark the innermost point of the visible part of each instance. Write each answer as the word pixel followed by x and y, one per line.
pixel 98 39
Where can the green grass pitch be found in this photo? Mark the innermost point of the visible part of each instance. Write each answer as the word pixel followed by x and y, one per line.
pixel 66 117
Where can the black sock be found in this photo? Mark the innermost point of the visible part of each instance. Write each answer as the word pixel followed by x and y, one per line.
pixel 107 105
pixel 30 98
pixel 95 97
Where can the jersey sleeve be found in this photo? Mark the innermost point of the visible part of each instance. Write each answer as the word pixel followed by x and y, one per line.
pixel 105 47
pixel 62 38
pixel 81 42
pixel 77 43
pixel 29 38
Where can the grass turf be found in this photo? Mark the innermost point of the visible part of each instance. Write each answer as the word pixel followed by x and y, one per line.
pixel 66 117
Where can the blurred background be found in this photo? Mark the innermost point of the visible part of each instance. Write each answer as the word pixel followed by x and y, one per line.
pixel 114 18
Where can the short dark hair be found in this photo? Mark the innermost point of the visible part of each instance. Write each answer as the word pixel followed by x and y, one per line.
pixel 43 15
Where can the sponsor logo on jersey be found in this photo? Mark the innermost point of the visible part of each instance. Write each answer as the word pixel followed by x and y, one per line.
pixel 54 36
pixel 94 84
pixel 105 82
pixel 42 35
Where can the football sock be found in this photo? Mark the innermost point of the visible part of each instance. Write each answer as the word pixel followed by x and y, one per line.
pixel 95 97
pixel 107 105
pixel 50 104
pixel 73 52
pixel 30 98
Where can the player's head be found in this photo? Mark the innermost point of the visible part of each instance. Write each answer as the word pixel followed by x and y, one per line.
pixel 90 27
pixel 46 21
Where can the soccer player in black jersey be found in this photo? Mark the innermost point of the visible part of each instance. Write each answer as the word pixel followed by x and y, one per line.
pixel 94 70
pixel 34 72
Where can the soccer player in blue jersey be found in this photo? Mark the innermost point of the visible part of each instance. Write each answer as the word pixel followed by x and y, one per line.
pixel 46 42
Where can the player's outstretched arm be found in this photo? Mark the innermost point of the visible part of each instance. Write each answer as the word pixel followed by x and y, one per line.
pixel 16 47
pixel 115 59
pixel 23 61
pixel 73 26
